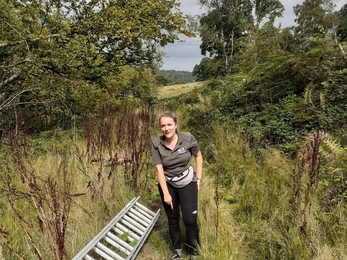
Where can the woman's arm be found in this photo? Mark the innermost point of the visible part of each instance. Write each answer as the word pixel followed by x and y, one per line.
pixel 198 160
pixel 163 185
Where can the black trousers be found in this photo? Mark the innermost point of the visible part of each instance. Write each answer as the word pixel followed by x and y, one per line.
pixel 186 200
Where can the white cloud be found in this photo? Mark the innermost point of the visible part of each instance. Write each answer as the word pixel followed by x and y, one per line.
pixel 185 55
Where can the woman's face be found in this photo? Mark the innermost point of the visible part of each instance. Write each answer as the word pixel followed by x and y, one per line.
pixel 168 127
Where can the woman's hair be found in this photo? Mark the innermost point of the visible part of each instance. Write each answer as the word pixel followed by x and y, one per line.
pixel 169 114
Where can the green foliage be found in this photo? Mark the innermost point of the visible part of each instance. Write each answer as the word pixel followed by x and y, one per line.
pixel 208 69
pixel 293 87
pixel 259 183
pixel 125 237
pixel 287 96
pixel 176 77
pixel 60 179
pixel 266 11
pixel 244 200
pixel 224 27
pixel 232 158
pixel 62 58
pixel 221 26
pixel 161 80
pixel 342 28
pixel 312 16
pixel 270 46
pixel 68 63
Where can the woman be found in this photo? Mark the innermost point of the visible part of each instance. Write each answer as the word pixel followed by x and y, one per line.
pixel 178 182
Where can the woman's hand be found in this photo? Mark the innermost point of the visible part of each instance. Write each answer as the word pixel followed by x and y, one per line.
pixel 162 183
pixel 168 199
pixel 198 160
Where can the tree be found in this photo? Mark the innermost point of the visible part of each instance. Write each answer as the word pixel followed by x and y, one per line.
pixel 342 28
pixel 54 54
pixel 265 42
pixel 162 80
pixel 312 15
pixel 267 10
pixel 226 22
pixel 202 71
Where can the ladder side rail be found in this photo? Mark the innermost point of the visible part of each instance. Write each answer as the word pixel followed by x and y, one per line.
pixel 139 243
pixel 87 257
pixel 104 231
pixel 109 252
pixel 141 216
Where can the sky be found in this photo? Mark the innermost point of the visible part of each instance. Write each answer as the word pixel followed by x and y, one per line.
pixel 185 55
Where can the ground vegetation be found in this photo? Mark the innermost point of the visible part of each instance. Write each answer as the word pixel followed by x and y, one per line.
pixel 79 104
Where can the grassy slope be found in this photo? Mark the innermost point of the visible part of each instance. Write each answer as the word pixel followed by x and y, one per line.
pixel 176 90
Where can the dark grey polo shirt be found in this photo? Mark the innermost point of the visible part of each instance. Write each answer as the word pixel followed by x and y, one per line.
pixel 177 160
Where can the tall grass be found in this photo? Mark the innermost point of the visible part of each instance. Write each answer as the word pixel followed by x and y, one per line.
pixel 246 210
pixel 50 208
pixel 59 190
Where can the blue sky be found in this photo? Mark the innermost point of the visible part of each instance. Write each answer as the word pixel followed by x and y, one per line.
pixel 185 55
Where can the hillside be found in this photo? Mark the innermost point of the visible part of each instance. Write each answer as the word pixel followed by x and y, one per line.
pixel 178 89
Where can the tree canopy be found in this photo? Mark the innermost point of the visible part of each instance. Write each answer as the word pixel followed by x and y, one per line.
pixel 312 16
pixel 284 82
pixel 342 27
pixel 226 23
pixel 59 58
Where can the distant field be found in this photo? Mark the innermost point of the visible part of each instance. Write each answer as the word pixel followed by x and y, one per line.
pixel 175 90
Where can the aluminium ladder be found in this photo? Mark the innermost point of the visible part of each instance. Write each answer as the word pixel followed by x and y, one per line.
pixel 123 237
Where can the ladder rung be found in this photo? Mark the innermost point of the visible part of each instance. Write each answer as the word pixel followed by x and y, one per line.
pixel 141 216
pixel 119 241
pixel 134 223
pixel 132 227
pixel 144 213
pixel 145 209
pixel 116 245
pixel 121 231
pixel 109 252
pixel 133 216
pixel 103 254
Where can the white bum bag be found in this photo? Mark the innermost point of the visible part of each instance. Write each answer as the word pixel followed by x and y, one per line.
pixel 182 179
